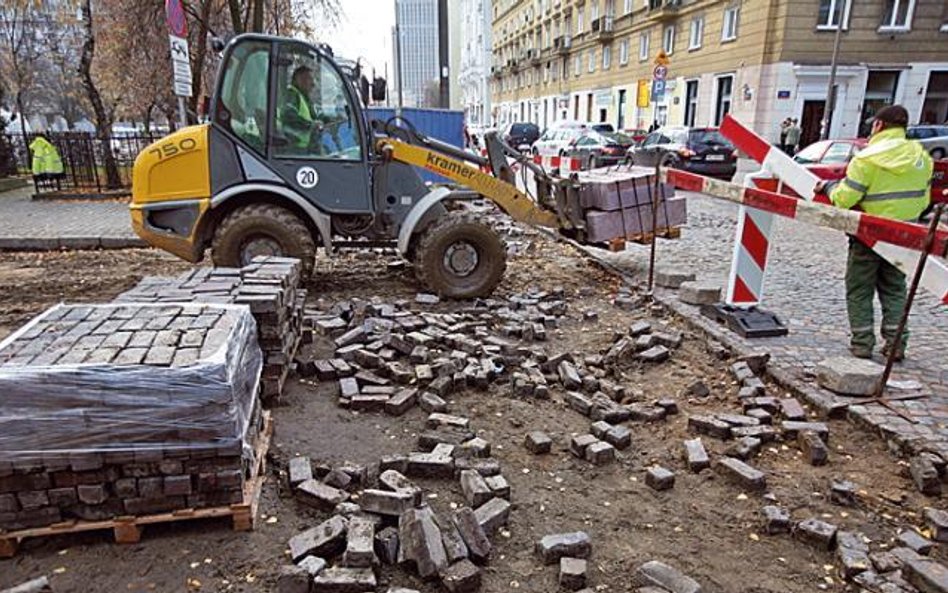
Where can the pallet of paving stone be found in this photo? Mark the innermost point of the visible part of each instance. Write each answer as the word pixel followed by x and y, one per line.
pixel 127 529
pixel 269 285
pixel 126 409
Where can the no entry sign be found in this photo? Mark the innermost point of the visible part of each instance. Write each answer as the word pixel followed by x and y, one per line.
pixel 176 19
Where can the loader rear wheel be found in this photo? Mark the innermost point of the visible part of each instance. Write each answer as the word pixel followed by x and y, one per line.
pixel 460 257
pixel 262 229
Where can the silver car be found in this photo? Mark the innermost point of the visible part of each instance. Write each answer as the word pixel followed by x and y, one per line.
pixel 933 138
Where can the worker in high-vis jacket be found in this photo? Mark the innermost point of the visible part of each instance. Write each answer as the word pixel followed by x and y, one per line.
pixel 888 178
pixel 47 164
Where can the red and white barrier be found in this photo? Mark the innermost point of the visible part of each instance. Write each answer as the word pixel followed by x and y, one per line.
pixel 778 164
pixel 564 163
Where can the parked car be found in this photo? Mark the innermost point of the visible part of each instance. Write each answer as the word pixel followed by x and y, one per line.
pixel 637 134
pixel 520 135
pixel 556 141
pixel 697 150
pixel 598 149
pixel 828 158
pixel 603 127
pixel 933 138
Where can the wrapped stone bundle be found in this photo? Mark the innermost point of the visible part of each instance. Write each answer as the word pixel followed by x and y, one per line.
pixel 119 409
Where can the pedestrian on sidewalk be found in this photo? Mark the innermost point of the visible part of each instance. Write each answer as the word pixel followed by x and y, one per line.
pixel 47 165
pixel 782 142
pixel 889 178
pixel 792 138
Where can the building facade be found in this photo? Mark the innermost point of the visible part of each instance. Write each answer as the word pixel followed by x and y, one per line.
pixel 474 76
pixel 417 35
pixel 761 60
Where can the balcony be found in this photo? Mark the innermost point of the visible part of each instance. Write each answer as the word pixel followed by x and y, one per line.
pixel 663 10
pixel 604 27
pixel 533 55
pixel 562 44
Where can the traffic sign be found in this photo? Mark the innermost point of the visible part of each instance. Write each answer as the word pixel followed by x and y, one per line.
pixel 660 72
pixel 175 18
pixel 658 90
pixel 181 63
pixel 179 49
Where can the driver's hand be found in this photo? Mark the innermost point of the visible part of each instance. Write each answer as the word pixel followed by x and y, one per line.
pixel 820 186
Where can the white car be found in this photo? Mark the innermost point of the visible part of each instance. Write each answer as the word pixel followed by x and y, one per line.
pixel 557 141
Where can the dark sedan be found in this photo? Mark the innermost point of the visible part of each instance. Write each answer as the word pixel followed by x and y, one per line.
pixel 600 149
pixel 520 135
pixel 697 150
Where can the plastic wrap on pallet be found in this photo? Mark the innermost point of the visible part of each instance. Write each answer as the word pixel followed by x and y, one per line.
pixel 72 383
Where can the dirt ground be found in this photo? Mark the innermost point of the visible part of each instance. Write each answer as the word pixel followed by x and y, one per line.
pixel 705 526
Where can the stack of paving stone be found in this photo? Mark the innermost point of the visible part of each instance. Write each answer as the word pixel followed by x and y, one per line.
pixel 618 204
pixel 381 517
pixel 268 285
pixel 126 409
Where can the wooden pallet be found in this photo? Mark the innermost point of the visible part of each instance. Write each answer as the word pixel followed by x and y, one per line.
pixel 665 233
pixel 128 530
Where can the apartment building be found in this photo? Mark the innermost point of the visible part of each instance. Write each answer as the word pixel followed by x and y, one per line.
pixel 762 60
pixel 474 74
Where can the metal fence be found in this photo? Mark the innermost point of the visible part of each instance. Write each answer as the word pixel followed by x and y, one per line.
pixel 84 162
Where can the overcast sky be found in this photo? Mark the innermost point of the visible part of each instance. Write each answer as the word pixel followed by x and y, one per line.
pixel 366 32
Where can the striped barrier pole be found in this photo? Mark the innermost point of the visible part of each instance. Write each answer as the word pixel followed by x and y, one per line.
pixel 803 182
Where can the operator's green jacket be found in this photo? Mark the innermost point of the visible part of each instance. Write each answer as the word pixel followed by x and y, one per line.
pixel 891 177
pixel 297 117
pixel 46 159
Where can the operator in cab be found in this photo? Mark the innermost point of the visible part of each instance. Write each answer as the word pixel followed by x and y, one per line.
pixel 889 178
pixel 297 115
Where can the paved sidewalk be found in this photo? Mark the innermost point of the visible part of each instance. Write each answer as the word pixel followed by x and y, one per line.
pixel 44 225
pixel 804 286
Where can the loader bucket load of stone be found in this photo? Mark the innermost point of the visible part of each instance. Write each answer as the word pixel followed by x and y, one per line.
pixel 126 409
pixel 618 204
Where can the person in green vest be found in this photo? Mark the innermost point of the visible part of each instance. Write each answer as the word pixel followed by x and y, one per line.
pixel 891 177
pixel 298 117
pixel 47 164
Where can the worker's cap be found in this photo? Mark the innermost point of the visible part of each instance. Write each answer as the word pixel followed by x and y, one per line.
pixel 893 115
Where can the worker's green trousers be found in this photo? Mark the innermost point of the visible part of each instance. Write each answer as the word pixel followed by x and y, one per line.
pixel 866 273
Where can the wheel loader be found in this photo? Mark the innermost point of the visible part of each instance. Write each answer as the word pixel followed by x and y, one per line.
pixel 290 162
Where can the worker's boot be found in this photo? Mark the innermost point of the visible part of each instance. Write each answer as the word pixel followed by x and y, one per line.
pixel 891 286
pixel 860 351
pixel 899 351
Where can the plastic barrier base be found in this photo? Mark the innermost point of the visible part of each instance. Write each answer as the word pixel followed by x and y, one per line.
pixel 748 323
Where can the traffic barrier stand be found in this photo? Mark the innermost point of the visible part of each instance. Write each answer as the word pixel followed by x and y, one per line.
pixel 562 163
pixel 884 237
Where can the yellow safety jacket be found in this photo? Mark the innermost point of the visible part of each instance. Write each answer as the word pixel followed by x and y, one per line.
pixel 891 177
pixel 297 117
pixel 46 159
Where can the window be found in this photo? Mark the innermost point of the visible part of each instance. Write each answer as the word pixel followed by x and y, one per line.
pixel 624 52
pixel 668 40
pixel 839 152
pixel 606 57
pixel 691 102
pixel 580 21
pixel 592 60
pixel 731 18
pixel 593 12
pixel 831 12
pixel 897 15
pixel 643 47
pixel 697 33
pixel 627 6
pixel 242 107
pixel 723 104
pixel 578 64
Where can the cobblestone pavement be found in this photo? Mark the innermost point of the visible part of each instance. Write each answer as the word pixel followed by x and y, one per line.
pixel 27 224
pixel 804 286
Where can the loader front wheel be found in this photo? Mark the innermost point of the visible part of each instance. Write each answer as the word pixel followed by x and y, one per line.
pixel 262 229
pixel 460 257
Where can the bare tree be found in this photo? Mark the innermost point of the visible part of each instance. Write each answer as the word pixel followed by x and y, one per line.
pixel 19 38
pixel 103 118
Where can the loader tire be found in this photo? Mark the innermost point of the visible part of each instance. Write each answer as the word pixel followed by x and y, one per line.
pixel 458 256
pixel 262 229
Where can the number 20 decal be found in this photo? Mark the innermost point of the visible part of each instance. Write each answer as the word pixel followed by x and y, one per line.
pixel 169 149
pixel 307 177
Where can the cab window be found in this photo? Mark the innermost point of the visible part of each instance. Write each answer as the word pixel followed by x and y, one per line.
pixel 313 114
pixel 838 152
pixel 242 99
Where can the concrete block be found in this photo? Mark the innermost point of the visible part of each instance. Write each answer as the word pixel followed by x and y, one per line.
pixel 431 402
pixel 709 425
pixel 659 574
pixel 474 536
pixel 475 489
pixel 300 470
pixel 313 565
pixel 776 519
pixel 699 293
pixel 673 278
pixel 600 453
pixel 498 485
pixel 325 540
pixel 937 521
pixel 345 580
pixel 813 448
pixel 572 573
pixel 913 540
pixel 421 542
pixel 292 579
pixel 384 502
pixel 578 444
pixel 925 475
pixel 926 575
pixel 493 514
pixel 401 402
pixel 318 495
pixel 843 493
pixel 461 577
pixel 654 355
pixel 360 543
pixel 742 474
pixel 850 376
pixel 386 545
pixel 695 456
pixel 538 442
pixel 659 478
pixel 552 548
pixel 816 533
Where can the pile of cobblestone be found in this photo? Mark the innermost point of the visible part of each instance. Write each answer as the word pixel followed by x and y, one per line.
pixel 380 517
pixel 268 285
pixel 126 409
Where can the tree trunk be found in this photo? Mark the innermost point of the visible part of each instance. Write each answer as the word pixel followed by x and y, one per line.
pixel 200 53
pixel 258 16
pixel 103 120
pixel 235 18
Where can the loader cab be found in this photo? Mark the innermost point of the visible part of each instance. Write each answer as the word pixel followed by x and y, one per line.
pixel 294 119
